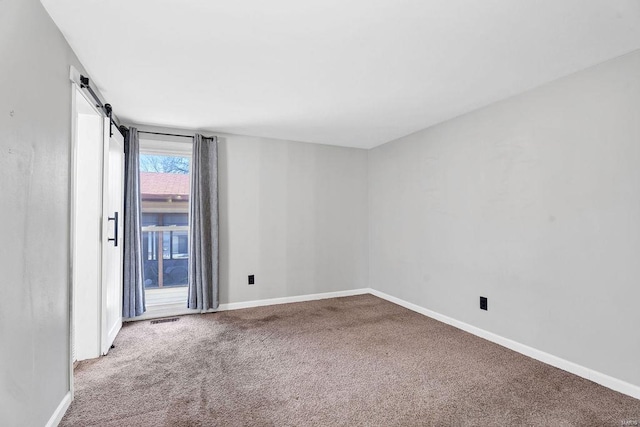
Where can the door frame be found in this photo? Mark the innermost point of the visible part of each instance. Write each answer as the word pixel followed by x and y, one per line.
pixel 73 195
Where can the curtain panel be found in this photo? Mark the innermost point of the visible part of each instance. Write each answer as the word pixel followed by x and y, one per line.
pixel 133 303
pixel 203 225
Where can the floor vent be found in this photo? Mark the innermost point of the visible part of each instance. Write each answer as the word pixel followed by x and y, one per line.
pixel 170 319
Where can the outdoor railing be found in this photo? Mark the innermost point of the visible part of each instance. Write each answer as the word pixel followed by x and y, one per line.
pixel 165 249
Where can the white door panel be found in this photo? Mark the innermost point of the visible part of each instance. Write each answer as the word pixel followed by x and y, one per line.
pixel 112 243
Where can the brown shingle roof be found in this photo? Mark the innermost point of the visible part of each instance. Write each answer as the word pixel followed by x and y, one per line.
pixel 161 186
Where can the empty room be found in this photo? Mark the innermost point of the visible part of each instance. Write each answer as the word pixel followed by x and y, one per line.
pixel 319 213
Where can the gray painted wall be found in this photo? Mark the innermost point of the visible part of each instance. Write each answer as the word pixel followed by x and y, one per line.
pixel 35 141
pixel 293 214
pixel 533 202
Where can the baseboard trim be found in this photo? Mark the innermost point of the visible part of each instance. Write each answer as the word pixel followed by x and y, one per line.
pixel 581 371
pixel 57 415
pixel 287 300
pixel 167 310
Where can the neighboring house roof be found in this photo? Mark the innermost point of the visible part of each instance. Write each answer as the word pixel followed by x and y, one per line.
pixel 164 186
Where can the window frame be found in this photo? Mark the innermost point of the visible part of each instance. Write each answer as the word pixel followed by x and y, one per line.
pixel 158 145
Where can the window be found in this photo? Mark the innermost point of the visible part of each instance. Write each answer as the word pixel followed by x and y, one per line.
pixel 164 192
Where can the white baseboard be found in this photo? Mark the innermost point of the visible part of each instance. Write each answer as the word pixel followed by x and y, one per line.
pixel 287 300
pixel 57 415
pixel 167 310
pixel 581 371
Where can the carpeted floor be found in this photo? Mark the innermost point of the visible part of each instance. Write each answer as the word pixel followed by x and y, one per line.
pixel 344 361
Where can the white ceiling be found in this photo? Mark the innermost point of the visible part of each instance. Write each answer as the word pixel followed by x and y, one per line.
pixel 356 73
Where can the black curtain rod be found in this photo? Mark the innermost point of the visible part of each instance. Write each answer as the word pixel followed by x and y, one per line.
pixel 166 134
pixel 172 134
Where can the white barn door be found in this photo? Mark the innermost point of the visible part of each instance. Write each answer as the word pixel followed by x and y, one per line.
pixel 113 205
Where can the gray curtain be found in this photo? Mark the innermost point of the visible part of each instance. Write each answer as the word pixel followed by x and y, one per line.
pixel 133 297
pixel 203 225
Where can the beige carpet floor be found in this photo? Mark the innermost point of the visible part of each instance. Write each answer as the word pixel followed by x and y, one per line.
pixel 354 361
